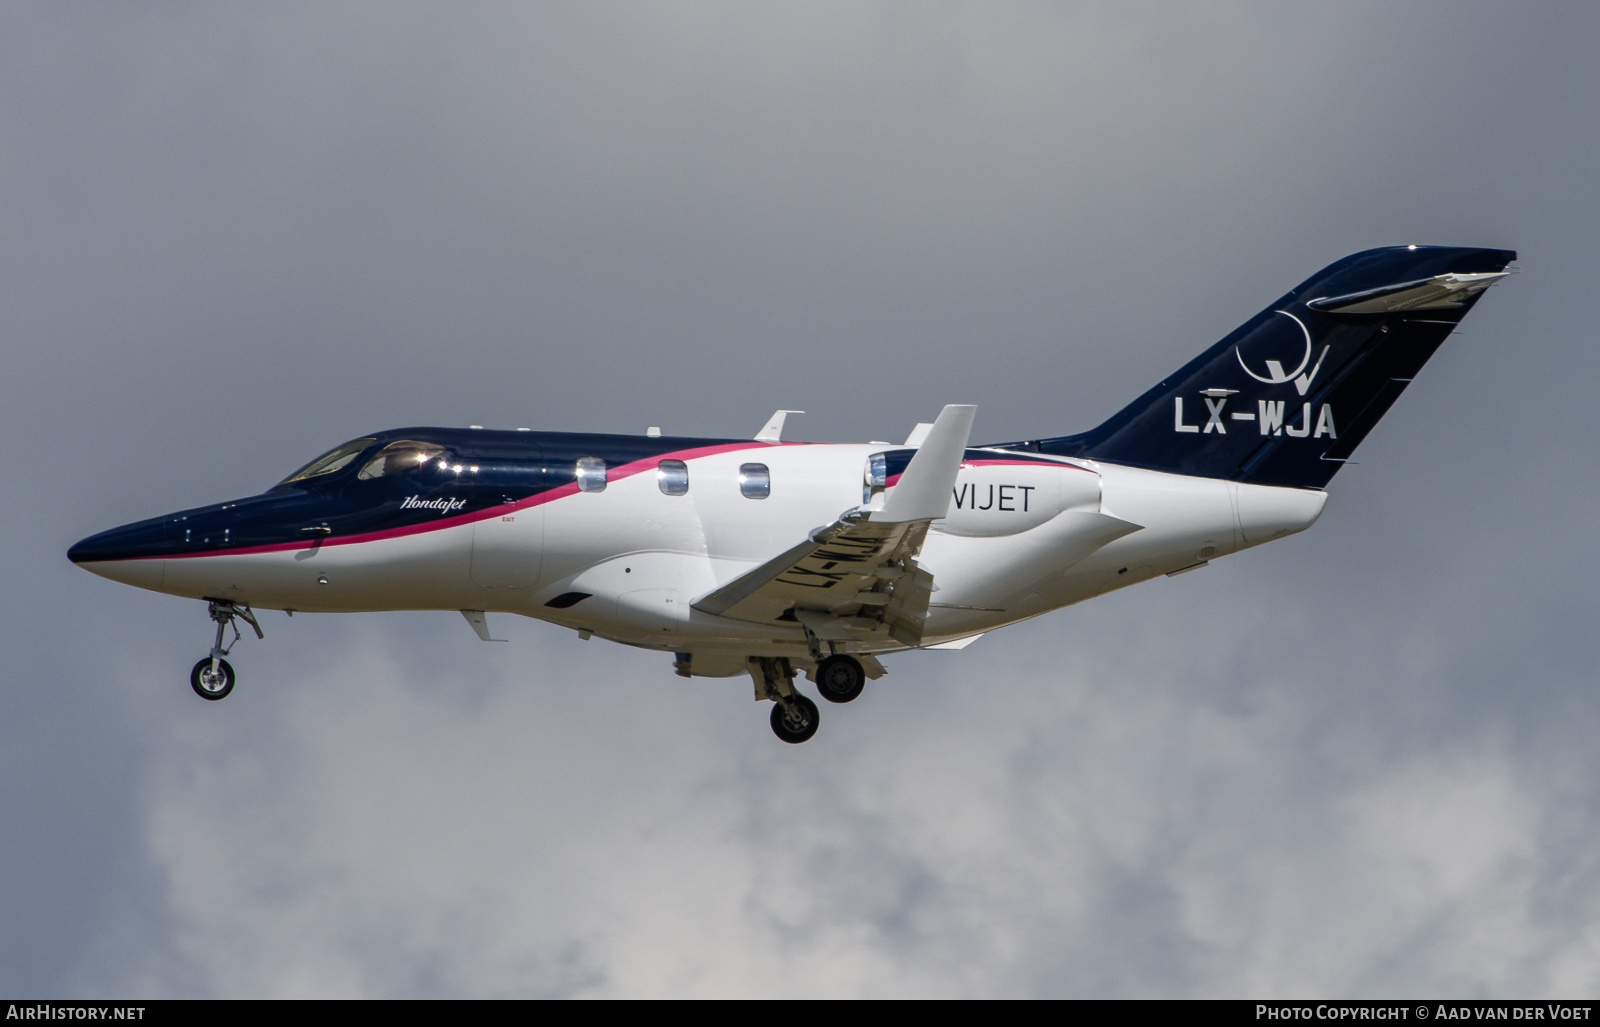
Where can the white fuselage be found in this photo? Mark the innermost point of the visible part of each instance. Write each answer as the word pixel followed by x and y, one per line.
pixel 1024 534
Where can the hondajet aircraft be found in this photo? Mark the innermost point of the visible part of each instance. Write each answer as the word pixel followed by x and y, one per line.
pixel 775 558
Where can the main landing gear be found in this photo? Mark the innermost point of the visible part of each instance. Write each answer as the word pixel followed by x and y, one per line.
pixel 794 721
pixel 840 678
pixel 794 717
pixel 212 678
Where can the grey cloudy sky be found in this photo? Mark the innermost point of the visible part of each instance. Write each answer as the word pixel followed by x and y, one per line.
pixel 1361 761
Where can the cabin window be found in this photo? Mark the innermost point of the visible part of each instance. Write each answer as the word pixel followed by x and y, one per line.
pixel 329 462
pixel 673 477
pixel 755 481
pixel 405 455
pixel 591 474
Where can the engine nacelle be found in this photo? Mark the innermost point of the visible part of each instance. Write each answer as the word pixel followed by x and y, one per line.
pixel 1003 497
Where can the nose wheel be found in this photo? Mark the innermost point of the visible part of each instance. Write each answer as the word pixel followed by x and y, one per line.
pixel 212 678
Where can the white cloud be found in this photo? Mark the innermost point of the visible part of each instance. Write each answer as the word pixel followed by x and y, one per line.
pixel 987 823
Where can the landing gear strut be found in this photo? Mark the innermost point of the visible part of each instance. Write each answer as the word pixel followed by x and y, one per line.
pixel 794 717
pixel 212 678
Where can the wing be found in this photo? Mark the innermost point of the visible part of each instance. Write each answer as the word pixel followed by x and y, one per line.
pixel 858 577
pixel 854 579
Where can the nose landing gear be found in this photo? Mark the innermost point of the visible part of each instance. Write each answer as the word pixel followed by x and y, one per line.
pixel 212 678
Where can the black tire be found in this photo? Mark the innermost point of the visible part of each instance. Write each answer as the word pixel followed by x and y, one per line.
pixel 208 687
pixel 789 729
pixel 840 678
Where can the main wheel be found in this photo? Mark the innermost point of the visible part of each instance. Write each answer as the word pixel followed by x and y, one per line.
pixel 796 722
pixel 211 684
pixel 840 678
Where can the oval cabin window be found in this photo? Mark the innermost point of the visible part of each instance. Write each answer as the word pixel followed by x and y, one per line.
pixel 591 474
pixel 673 477
pixel 755 481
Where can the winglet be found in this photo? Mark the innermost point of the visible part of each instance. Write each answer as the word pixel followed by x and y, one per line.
pixel 923 492
pixel 774 428
pixel 918 435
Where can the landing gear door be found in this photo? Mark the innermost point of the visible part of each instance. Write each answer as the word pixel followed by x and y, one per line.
pixel 508 544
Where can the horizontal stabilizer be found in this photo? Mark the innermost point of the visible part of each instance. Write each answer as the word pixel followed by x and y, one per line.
pixel 924 490
pixel 1442 292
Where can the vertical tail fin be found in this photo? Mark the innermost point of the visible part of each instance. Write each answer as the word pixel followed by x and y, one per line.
pixel 1286 398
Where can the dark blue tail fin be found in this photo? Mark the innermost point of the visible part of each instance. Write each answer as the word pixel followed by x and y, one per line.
pixel 1285 399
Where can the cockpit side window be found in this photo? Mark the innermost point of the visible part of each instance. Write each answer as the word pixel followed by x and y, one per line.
pixel 403 455
pixel 331 461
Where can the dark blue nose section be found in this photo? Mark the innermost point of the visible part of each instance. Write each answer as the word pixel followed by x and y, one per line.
pixel 269 520
pixel 139 540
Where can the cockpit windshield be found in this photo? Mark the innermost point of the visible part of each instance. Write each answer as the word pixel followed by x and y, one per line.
pixel 331 461
pixel 399 456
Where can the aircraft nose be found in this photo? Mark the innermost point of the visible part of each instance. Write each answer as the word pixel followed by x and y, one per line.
pixel 140 540
pixel 131 554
